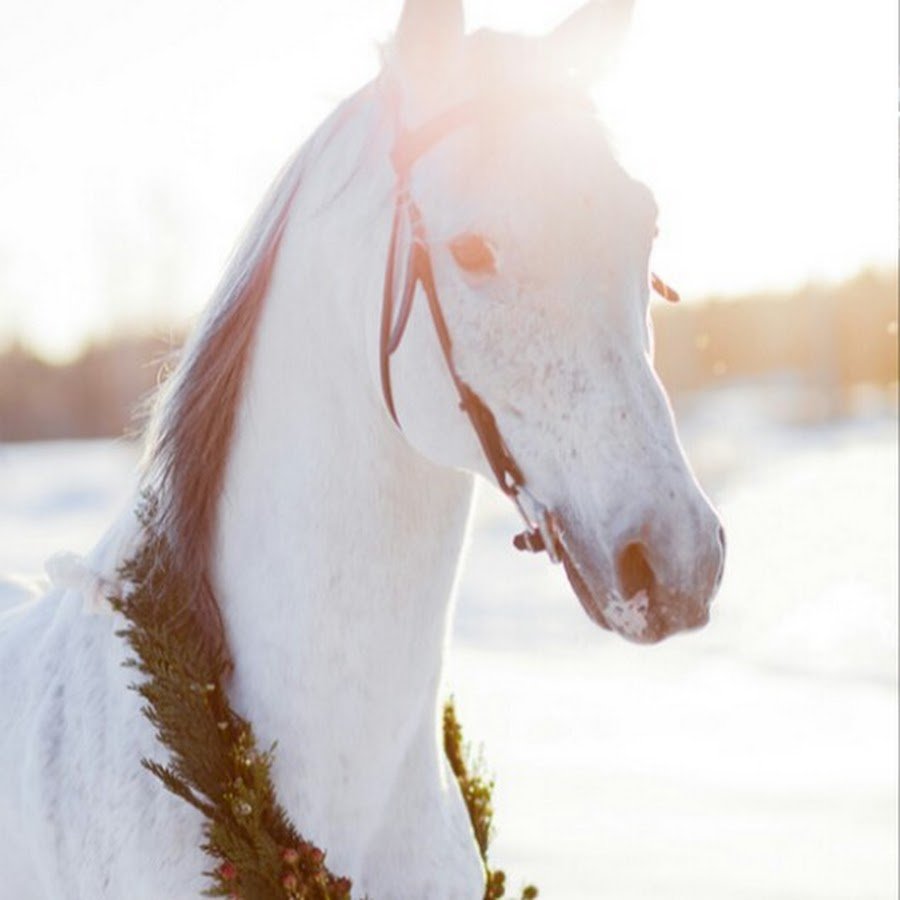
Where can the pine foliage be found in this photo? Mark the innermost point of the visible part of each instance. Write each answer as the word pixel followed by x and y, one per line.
pixel 477 792
pixel 214 763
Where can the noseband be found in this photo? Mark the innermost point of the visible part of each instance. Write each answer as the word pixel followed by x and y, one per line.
pixel 542 531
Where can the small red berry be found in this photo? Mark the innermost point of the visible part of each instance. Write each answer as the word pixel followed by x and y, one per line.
pixel 343 885
pixel 316 856
pixel 290 882
pixel 290 856
pixel 227 871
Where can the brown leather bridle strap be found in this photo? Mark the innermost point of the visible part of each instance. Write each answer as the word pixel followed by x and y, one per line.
pixel 507 474
pixel 412 144
pixel 664 291
pixel 391 334
pixel 419 272
pixel 542 531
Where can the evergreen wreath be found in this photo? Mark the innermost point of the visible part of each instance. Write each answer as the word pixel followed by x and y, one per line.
pixel 215 764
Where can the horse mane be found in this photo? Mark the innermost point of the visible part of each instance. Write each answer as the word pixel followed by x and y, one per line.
pixel 193 416
pixel 193 421
pixel 194 412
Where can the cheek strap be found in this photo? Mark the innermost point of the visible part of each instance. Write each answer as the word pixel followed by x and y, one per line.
pixel 542 530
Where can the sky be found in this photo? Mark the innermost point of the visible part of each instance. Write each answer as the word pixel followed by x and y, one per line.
pixel 137 138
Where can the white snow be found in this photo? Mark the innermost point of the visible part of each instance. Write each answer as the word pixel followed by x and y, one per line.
pixel 754 759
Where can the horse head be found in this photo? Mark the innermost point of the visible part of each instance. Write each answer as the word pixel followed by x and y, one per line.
pixel 536 247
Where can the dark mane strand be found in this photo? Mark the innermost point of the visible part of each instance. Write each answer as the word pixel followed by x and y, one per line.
pixel 195 420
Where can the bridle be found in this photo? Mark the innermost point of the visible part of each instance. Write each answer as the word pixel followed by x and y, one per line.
pixel 542 529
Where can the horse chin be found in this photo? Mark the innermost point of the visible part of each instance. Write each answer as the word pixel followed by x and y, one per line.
pixel 589 602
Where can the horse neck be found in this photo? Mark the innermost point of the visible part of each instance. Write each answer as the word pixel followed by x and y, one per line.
pixel 337 545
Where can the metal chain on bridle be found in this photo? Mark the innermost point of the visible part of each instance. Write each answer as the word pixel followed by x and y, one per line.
pixel 542 530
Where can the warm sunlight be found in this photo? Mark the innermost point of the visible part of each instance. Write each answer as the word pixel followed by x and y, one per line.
pixel 430 443
pixel 768 133
pixel 138 139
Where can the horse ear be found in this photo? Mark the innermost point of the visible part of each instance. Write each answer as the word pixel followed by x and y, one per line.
pixel 586 44
pixel 428 37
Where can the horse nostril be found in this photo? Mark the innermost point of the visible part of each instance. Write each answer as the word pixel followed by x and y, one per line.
pixel 722 538
pixel 634 570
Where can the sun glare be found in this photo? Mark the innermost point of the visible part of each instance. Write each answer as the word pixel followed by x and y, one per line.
pixel 767 131
pixel 768 134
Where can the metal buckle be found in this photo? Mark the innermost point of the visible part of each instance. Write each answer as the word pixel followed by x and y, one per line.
pixel 542 525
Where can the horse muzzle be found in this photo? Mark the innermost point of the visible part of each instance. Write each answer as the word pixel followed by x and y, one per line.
pixel 627 594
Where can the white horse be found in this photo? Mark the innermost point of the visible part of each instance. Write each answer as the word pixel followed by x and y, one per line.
pixel 325 532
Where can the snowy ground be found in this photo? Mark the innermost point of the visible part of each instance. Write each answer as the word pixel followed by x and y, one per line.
pixel 755 759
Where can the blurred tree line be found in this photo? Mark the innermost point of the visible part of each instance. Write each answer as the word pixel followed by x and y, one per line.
pixel 103 393
pixel 828 339
pixel 835 336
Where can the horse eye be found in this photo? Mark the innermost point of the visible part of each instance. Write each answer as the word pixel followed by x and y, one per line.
pixel 474 254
